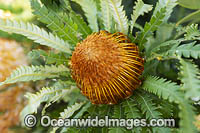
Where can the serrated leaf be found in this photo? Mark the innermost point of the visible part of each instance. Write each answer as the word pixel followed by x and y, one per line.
pixel 170 91
pixel 46 94
pixel 83 28
pixel 118 113
pixel 34 73
pixel 35 33
pixel 49 58
pixel 119 15
pixel 138 10
pixel 90 9
pixel 188 75
pixel 161 13
pixel 60 23
pixel 168 4
pixel 147 106
pixel 188 50
pixel 151 26
pixel 69 112
pixel 106 15
pixel 131 111
pixel 192 32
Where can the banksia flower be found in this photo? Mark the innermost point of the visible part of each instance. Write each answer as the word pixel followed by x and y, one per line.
pixel 11 56
pixel 106 67
pixel 11 101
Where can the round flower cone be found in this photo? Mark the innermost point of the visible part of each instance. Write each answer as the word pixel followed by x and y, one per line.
pixel 106 67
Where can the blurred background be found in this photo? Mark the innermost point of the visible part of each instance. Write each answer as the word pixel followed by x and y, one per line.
pixel 14 49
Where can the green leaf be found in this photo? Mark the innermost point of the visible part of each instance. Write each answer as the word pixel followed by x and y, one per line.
pixel 33 73
pixel 60 23
pixel 35 33
pixel 151 26
pixel 188 75
pixel 170 49
pixel 118 113
pixel 49 58
pixel 147 106
pixel 188 50
pixel 83 28
pixel 192 4
pixel 161 13
pixel 138 10
pixel 119 15
pixel 149 109
pixel 106 15
pixel 46 94
pixel 168 5
pixel 170 91
pixel 131 111
pixel 194 17
pixel 192 32
pixel 69 112
pixel 164 48
pixel 90 9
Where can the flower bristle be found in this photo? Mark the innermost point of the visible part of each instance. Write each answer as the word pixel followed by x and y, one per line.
pixel 106 67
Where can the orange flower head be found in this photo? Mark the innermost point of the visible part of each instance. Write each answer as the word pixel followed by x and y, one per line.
pixel 106 67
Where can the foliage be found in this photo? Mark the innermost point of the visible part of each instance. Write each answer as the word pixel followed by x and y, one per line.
pixel 193 4
pixel 170 79
pixel 139 9
pixel 194 16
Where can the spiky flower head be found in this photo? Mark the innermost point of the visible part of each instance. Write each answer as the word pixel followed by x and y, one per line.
pixel 106 67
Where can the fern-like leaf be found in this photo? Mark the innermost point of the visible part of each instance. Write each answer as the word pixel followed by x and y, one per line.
pixel 33 73
pixel 149 109
pixel 69 112
pixel 151 26
pixel 139 9
pixel 119 15
pixel 61 24
pixel 170 91
pixel 83 28
pixel 192 32
pixel 147 106
pixel 168 4
pixel 46 94
pixel 106 15
pixel 49 57
pixel 90 9
pixel 118 113
pixel 188 75
pixel 165 48
pixel 161 13
pixel 171 48
pixel 188 50
pixel 131 111
pixel 35 33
